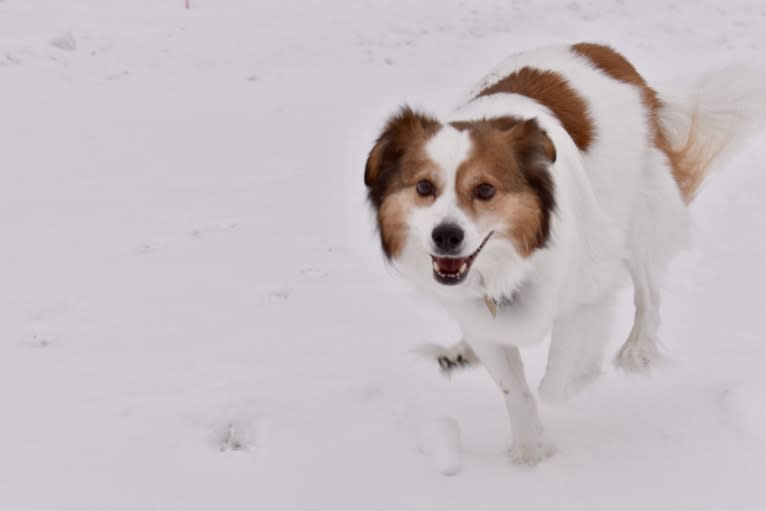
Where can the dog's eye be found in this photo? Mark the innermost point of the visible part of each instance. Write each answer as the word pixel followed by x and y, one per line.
pixel 484 191
pixel 424 188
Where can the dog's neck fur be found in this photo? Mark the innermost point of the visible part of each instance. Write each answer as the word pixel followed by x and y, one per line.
pixel 574 249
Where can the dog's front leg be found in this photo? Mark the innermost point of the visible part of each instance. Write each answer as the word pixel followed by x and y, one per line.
pixel 504 364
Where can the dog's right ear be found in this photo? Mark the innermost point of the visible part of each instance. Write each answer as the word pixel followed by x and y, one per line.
pixel 403 129
pixel 375 161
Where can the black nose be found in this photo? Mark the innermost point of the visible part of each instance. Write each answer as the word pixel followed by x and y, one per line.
pixel 447 238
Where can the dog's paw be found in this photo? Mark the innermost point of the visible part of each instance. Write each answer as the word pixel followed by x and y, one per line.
pixel 457 356
pixel 530 454
pixel 447 362
pixel 638 355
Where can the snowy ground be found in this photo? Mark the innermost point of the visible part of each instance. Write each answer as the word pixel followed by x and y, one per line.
pixel 194 314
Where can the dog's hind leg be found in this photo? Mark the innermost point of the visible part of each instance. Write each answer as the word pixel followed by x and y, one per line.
pixel 660 228
pixel 577 348
pixel 640 351
pixel 507 369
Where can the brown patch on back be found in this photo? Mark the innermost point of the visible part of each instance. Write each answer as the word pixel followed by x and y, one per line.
pixel 688 162
pixel 553 91
pixel 513 156
pixel 613 64
pixel 396 162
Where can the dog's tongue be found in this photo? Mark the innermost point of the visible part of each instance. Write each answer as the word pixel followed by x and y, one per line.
pixel 449 264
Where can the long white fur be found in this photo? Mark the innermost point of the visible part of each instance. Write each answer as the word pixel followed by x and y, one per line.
pixel 727 107
pixel 619 214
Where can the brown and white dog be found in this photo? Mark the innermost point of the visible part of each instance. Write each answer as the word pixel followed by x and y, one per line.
pixel 524 211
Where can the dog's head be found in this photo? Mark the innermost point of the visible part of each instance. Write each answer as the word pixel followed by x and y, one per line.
pixel 462 207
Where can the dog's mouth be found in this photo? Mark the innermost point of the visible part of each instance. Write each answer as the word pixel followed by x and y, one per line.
pixel 453 270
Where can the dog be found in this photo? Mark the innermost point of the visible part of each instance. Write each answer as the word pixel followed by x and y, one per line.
pixel 527 208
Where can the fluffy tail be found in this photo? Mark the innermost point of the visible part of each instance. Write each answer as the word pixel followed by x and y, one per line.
pixel 704 125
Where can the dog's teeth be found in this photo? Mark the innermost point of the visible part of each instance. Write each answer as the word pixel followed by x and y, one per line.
pixel 463 268
pixel 436 267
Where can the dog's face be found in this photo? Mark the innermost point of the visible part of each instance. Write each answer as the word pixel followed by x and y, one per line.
pixel 461 207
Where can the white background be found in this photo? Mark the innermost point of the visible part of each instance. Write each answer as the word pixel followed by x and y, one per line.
pixel 194 312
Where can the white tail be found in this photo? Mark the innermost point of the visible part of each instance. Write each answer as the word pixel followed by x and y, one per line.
pixel 710 120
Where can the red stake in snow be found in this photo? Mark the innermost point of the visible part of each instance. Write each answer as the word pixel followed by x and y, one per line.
pixel 186 2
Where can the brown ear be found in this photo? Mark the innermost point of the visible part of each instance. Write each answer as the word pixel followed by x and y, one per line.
pixel 532 143
pixel 402 130
pixel 374 162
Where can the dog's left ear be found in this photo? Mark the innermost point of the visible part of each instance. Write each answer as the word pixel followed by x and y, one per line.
pixel 404 128
pixel 531 143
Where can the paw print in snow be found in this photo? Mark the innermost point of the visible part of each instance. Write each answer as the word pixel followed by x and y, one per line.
pixel 234 436
pixel 314 273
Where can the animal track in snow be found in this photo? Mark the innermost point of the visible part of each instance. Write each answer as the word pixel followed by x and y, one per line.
pixel 439 439
pixel 144 249
pixel 281 294
pixel 214 228
pixel 314 273
pixel 64 41
pixel 740 404
pixel 39 340
pixel 235 435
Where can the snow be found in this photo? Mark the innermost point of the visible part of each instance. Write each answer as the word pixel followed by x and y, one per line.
pixel 195 313
pixel 440 439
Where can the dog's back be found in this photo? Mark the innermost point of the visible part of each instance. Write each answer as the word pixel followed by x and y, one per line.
pixel 645 154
